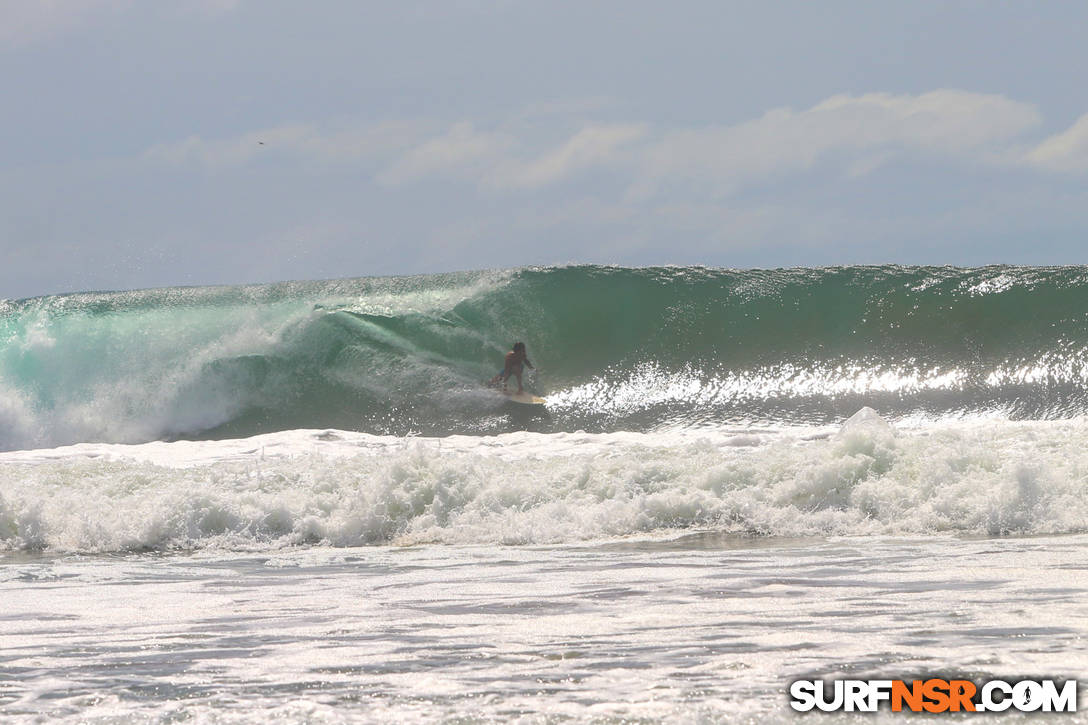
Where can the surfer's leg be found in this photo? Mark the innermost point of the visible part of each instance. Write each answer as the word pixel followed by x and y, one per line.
pixel 520 389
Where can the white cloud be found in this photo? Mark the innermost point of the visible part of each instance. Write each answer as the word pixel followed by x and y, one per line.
pixel 864 132
pixel 462 151
pixel 843 135
pixel 309 142
pixel 859 133
pixel 1066 151
pixel 594 145
pixel 502 160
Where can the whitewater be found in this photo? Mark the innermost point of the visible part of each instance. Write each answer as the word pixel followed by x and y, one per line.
pixel 298 502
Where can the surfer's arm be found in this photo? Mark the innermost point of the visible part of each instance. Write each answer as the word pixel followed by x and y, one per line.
pixel 529 364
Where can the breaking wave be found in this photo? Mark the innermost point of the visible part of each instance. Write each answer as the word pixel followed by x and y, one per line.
pixel 349 489
pixel 617 349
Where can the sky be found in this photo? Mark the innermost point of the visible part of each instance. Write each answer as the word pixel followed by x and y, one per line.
pixel 147 144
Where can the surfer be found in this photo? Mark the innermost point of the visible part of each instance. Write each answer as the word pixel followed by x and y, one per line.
pixel 513 366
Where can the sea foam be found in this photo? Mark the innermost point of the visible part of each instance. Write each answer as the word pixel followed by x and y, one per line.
pixel 307 487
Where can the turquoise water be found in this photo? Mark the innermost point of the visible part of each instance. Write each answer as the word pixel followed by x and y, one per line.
pixel 617 349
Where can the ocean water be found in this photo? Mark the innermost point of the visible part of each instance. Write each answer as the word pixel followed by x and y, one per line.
pixel 298 503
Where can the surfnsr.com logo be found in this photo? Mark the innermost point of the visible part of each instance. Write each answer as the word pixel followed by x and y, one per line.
pixel 934 695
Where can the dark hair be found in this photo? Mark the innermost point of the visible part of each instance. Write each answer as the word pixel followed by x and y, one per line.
pixel 519 346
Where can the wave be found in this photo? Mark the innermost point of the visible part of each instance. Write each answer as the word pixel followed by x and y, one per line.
pixel 617 349
pixel 349 489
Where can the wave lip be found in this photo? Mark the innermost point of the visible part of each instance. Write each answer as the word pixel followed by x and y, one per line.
pixel 616 349
pixel 989 478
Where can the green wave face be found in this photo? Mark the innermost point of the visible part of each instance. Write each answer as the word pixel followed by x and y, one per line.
pixel 615 348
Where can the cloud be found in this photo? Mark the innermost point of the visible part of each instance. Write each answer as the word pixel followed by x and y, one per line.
pixel 594 145
pixel 1066 151
pixel 858 133
pixel 863 132
pixel 305 141
pixel 503 160
pixel 411 152
pixel 844 135
pixel 462 151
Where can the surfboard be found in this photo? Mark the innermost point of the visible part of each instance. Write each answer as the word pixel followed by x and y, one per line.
pixel 524 399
